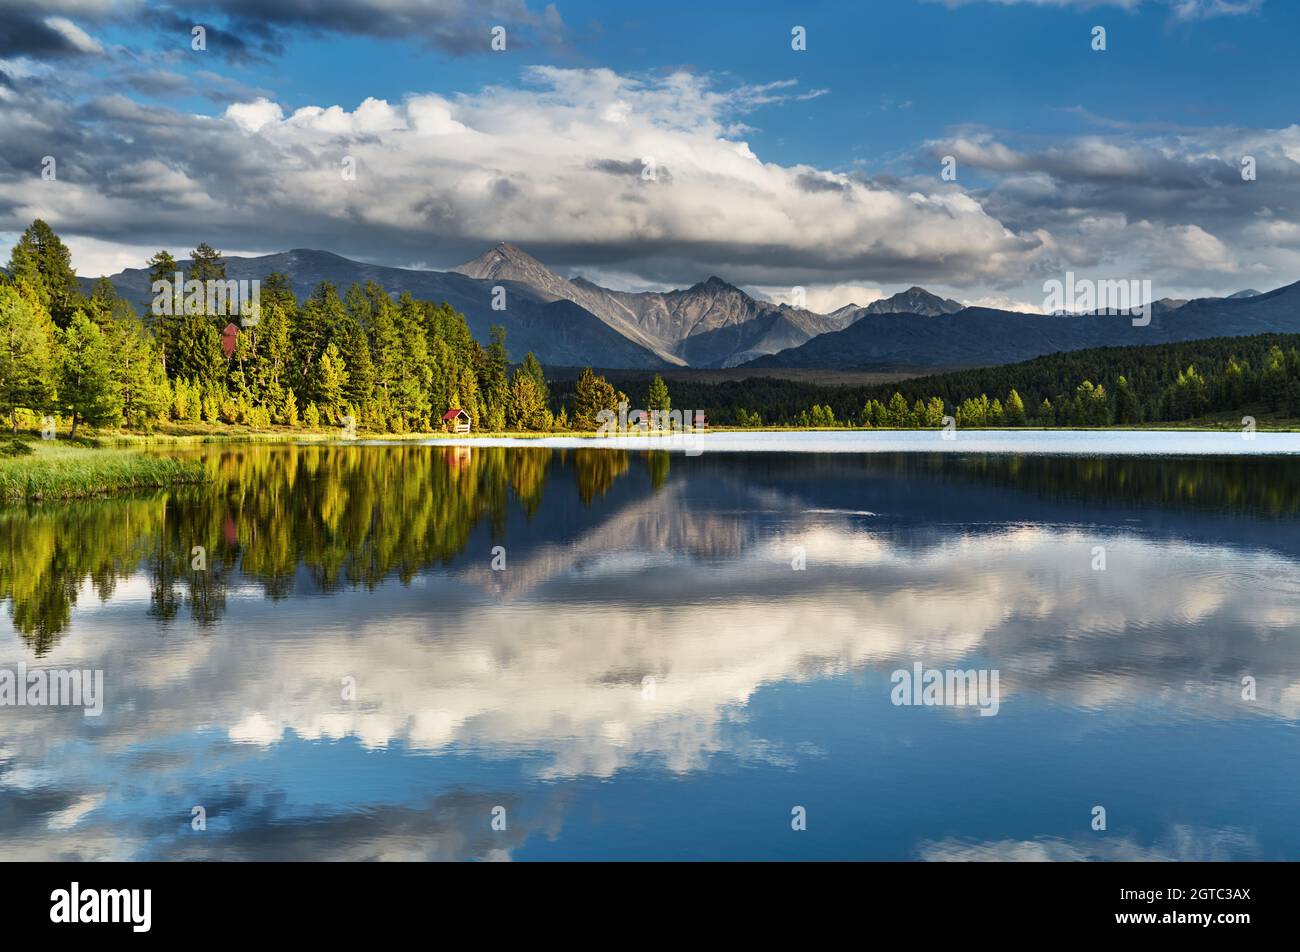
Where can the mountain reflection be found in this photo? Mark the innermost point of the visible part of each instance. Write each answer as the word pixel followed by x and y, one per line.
pixel 351 516
pixel 646 607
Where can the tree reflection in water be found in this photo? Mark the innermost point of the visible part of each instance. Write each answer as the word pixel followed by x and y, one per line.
pixel 356 515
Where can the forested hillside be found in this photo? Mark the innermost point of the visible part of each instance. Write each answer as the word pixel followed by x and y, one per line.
pixel 1098 387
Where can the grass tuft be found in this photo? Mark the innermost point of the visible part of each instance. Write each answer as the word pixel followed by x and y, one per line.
pixel 54 470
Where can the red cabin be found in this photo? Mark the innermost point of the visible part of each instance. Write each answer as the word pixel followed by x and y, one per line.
pixel 229 339
pixel 456 420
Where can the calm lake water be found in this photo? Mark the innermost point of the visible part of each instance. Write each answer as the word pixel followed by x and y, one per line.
pixel 670 656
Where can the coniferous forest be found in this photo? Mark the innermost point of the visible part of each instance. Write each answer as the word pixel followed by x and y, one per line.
pixel 1106 386
pixel 358 357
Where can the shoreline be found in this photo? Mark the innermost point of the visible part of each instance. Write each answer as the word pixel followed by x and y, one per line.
pixel 1134 442
pixel 56 470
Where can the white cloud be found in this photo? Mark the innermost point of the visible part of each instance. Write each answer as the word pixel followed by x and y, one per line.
pixel 1003 303
pixel 559 162
pixel 1179 9
pixel 556 164
pixel 95 257
pixel 824 298
pixel 77 38
pixel 251 116
pixel 1204 9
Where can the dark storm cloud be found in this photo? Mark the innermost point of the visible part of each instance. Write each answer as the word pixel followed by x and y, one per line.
pixel 505 189
pixel 633 168
pixel 263 28
pixel 239 41
pixel 27 33
pixel 617 167
pixel 1186 183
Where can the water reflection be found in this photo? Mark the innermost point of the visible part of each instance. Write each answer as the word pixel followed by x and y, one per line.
pixel 648 628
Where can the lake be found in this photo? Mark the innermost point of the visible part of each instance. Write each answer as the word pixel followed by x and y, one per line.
pixel 544 651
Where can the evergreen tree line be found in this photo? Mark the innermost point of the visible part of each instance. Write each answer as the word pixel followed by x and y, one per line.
pixel 1259 375
pixel 389 365
pixel 1117 385
pixel 398 365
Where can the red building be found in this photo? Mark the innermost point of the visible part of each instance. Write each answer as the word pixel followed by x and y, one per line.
pixel 456 420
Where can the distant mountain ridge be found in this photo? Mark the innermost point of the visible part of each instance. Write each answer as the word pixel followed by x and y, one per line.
pixel 977 336
pixel 914 301
pixel 710 324
pixel 565 322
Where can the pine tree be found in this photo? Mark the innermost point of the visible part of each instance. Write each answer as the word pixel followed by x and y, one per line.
pixel 269 371
pixel 385 347
pixel 355 351
pixel 592 394
pixel 658 398
pixel 162 267
pixel 525 410
pixel 165 305
pixel 194 350
pixel 411 398
pixel 1013 411
pixel 899 416
pixel 329 383
pixel 533 367
pixel 86 390
pixel 42 261
pixel 1092 406
pixel 1127 407
pixel 1273 384
pixel 934 412
pixel 27 352
pixel 136 371
pixel 492 380
pixel 206 264
pixel 288 415
pixel 317 323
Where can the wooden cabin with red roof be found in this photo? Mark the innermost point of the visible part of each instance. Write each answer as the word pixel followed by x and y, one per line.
pixel 456 420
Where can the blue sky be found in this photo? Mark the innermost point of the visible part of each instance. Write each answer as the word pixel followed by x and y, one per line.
pixel 1122 163
pixel 1017 67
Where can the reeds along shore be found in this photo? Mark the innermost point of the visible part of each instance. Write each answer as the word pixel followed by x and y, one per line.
pixel 46 470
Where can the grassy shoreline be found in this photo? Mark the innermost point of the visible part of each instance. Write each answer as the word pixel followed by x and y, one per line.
pixel 53 470
pixel 115 462
pixel 198 434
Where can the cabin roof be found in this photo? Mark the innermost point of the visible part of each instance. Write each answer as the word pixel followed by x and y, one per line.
pixel 452 414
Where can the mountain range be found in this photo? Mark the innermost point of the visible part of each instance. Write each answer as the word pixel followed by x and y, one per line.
pixel 710 324
pixel 979 336
pixel 713 324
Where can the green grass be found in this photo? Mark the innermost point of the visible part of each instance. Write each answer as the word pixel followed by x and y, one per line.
pixel 57 470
